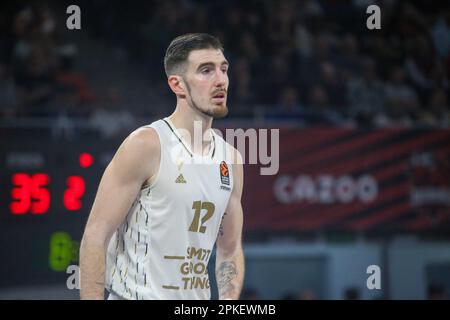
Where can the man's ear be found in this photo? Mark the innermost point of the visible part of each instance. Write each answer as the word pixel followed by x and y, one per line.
pixel 176 84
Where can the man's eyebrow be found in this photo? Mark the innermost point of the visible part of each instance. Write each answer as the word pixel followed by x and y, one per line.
pixel 209 64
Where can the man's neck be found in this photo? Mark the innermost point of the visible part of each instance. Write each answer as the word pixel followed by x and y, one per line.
pixel 191 121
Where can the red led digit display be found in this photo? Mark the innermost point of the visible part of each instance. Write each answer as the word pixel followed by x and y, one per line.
pixel 21 194
pixel 74 193
pixel 40 195
pixel 29 193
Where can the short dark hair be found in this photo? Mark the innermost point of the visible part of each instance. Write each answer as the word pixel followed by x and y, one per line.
pixel 180 47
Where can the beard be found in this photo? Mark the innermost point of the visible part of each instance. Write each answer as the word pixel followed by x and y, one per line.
pixel 216 112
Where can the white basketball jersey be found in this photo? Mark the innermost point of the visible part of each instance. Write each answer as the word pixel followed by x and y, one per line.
pixel 162 248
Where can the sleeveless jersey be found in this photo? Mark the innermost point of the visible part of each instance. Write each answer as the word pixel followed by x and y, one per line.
pixel 162 248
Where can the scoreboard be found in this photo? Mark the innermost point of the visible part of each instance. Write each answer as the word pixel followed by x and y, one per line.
pixel 47 188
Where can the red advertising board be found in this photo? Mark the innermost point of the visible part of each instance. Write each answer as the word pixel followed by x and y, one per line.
pixel 352 180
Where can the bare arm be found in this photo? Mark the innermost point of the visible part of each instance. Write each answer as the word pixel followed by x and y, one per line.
pixel 230 266
pixel 134 162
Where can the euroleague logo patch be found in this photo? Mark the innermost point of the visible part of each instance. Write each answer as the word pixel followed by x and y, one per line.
pixel 224 173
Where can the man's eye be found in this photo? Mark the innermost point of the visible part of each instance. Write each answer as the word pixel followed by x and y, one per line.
pixel 206 70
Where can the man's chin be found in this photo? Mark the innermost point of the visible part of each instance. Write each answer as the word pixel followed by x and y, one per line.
pixel 216 112
pixel 220 112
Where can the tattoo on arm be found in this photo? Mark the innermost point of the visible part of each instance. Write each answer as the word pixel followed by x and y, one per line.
pixel 227 272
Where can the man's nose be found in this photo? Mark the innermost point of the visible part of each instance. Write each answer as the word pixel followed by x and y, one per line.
pixel 221 79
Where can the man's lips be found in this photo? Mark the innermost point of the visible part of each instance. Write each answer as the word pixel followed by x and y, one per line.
pixel 219 95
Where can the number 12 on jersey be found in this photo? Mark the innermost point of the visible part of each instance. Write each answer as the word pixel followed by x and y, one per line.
pixel 196 226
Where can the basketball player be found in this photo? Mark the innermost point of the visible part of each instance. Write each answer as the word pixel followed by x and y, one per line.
pixel 162 204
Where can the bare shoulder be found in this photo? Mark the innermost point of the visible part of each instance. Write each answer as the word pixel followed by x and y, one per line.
pixel 141 143
pixel 144 137
pixel 139 153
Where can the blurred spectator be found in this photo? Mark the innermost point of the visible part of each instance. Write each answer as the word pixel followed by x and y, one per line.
pixel 281 24
pixel 303 41
pixel 333 84
pixel 8 98
pixel 318 98
pixel 420 68
pixel 365 94
pixel 401 100
pixel 233 26
pixel 441 35
pixel 288 107
pixel 110 118
pixel 288 102
pixel 47 23
pixel 280 75
pixel 310 67
pixel 36 83
pixel 437 110
pixel 319 107
pixel 249 49
pixel 241 92
pixel 324 47
pixel 350 58
pixel 385 50
pixel 73 91
pixel 311 8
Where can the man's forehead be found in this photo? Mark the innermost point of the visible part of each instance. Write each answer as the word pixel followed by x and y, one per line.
pixel 197 57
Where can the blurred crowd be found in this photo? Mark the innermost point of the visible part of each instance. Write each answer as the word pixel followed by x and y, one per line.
pixel 36 65
pixel 310 61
